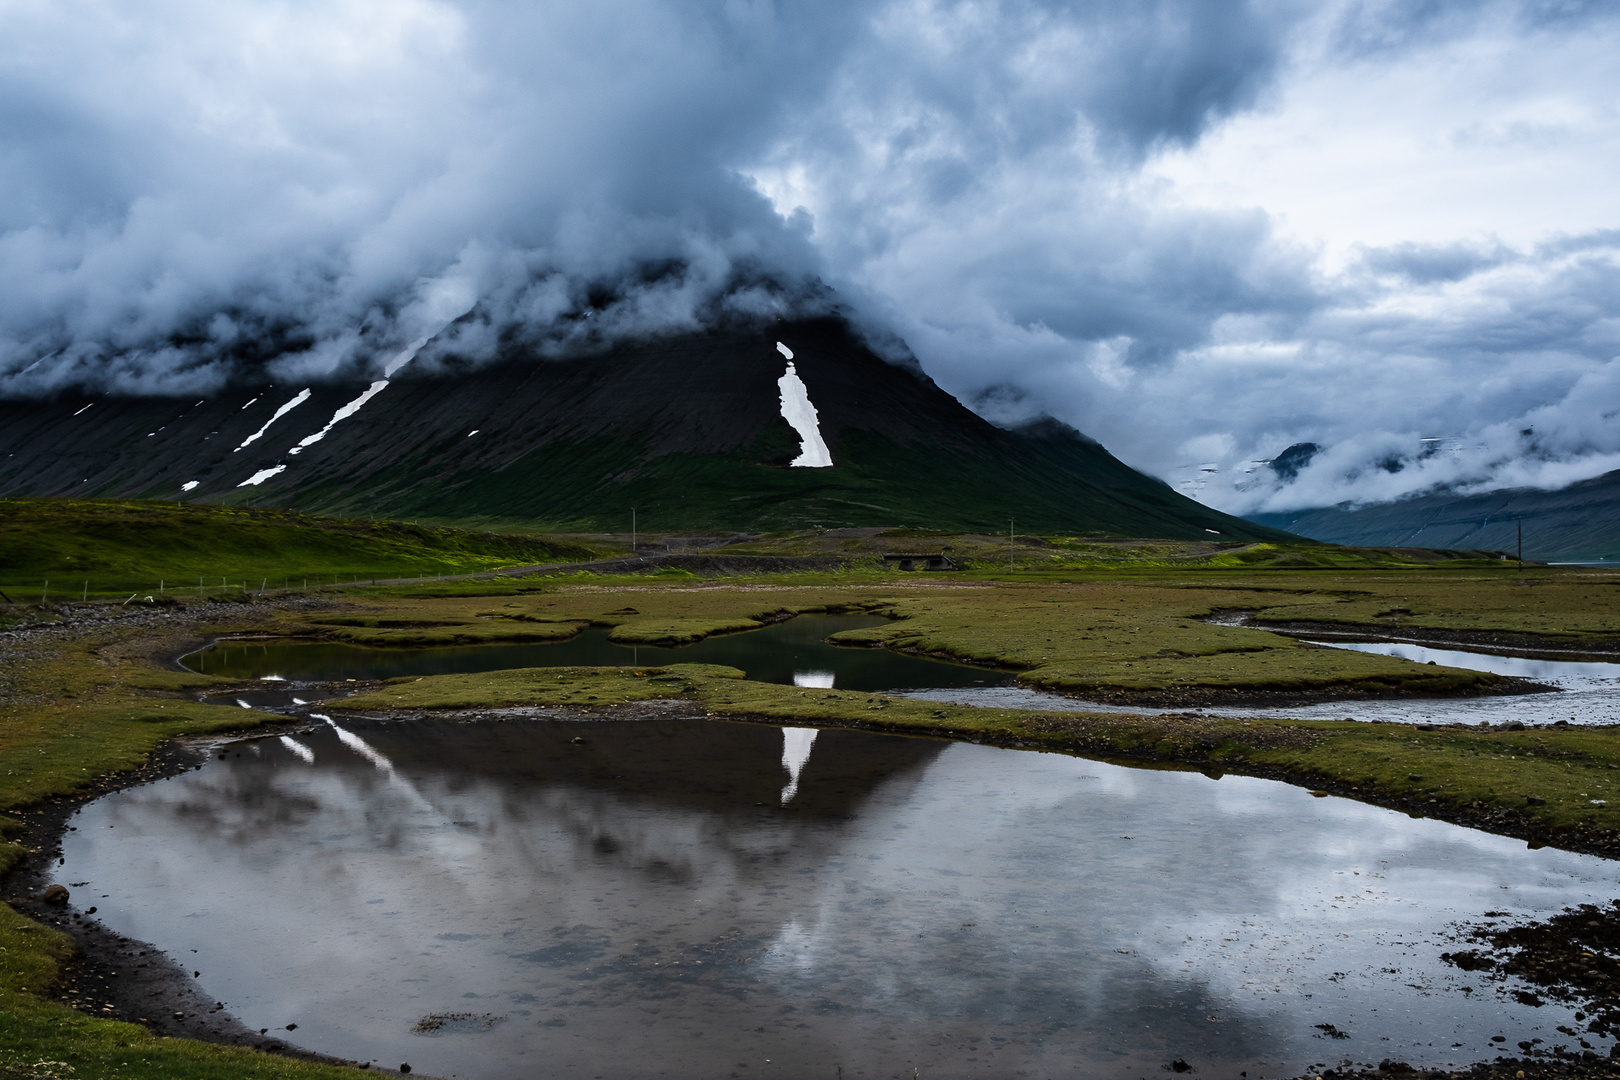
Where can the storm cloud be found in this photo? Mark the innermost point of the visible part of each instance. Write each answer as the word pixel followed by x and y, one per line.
pixel 1200 230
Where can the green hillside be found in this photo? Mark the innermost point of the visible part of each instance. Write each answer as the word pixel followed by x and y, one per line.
pixel 121 545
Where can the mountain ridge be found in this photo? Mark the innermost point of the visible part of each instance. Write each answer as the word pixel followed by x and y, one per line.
pixel 1578 523
pixel 686 430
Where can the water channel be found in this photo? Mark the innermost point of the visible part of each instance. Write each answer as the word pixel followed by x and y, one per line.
pixel 794 652
pixel 1587 693
pixel 498 900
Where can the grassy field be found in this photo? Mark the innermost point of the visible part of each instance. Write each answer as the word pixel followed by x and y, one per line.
pixel 1085 632
pixel 1098 618
pixel 96 548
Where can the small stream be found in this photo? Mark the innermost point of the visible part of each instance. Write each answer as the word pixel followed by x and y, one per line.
pixel 1588 694
pixel 684 898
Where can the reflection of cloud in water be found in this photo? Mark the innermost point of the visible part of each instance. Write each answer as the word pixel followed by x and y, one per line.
pixel 796 744
pixel 1076 911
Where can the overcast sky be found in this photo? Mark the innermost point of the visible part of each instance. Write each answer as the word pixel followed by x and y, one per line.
pixel 1199 230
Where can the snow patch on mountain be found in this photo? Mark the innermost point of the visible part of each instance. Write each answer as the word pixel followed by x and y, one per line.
pixel 302 396
pixel 261 476
pixel 801 417
pixel 342 414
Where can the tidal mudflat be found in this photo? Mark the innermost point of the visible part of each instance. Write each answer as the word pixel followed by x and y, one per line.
pixel 689 897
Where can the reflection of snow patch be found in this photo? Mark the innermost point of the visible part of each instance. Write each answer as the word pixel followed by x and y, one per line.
pixel 244 704
pixel 363 748
pixel 344 413
pixel 261 476
pixel 298 748
pixel 188 485
pixel 801 416
pixel 820 680
pixel 302 397
pixel 796 744
pixel 81 410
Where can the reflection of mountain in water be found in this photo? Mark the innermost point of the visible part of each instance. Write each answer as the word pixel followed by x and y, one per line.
pixel 643 896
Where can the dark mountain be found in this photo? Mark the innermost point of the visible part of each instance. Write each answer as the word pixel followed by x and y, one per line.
pixel 689 430
pixel 1580 523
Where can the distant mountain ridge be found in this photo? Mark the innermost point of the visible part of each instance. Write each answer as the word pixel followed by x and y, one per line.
pixel 1579 523
pixel 688 431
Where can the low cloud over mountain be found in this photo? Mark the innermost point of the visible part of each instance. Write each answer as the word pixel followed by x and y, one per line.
pixel 1199 230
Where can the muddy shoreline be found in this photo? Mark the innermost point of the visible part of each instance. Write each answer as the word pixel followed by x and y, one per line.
pixel 115 977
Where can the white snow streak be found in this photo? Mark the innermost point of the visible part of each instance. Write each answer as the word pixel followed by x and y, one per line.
pixel 188 485
pixel 81 410
pixel 245 406
pixel 801 416
pixel 261 476
pixel 303 396
pixel 796 744
pixel 405 356
pixel 473 432
pixel 347 411
pixel 784 350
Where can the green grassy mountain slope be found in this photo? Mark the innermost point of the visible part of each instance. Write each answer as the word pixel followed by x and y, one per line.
pixel 102 545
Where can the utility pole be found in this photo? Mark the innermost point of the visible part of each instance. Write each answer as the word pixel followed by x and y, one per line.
pixel 632 532
pixel 1521 545
pixel 1009 545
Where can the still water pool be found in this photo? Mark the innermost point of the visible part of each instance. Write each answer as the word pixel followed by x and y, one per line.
pixel 498 900
pixel 794 652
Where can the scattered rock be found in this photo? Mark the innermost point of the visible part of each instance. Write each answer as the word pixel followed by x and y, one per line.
pixel 55 894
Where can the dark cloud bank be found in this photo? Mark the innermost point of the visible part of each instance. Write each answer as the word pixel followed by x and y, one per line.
pixel 193 191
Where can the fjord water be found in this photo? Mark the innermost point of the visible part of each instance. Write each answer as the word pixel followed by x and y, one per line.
pixel 788 652
pixel 696 898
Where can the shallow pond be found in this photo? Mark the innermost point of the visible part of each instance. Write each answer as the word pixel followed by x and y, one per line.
pixel 1588 692
pixel 794 652
pixel 696 898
